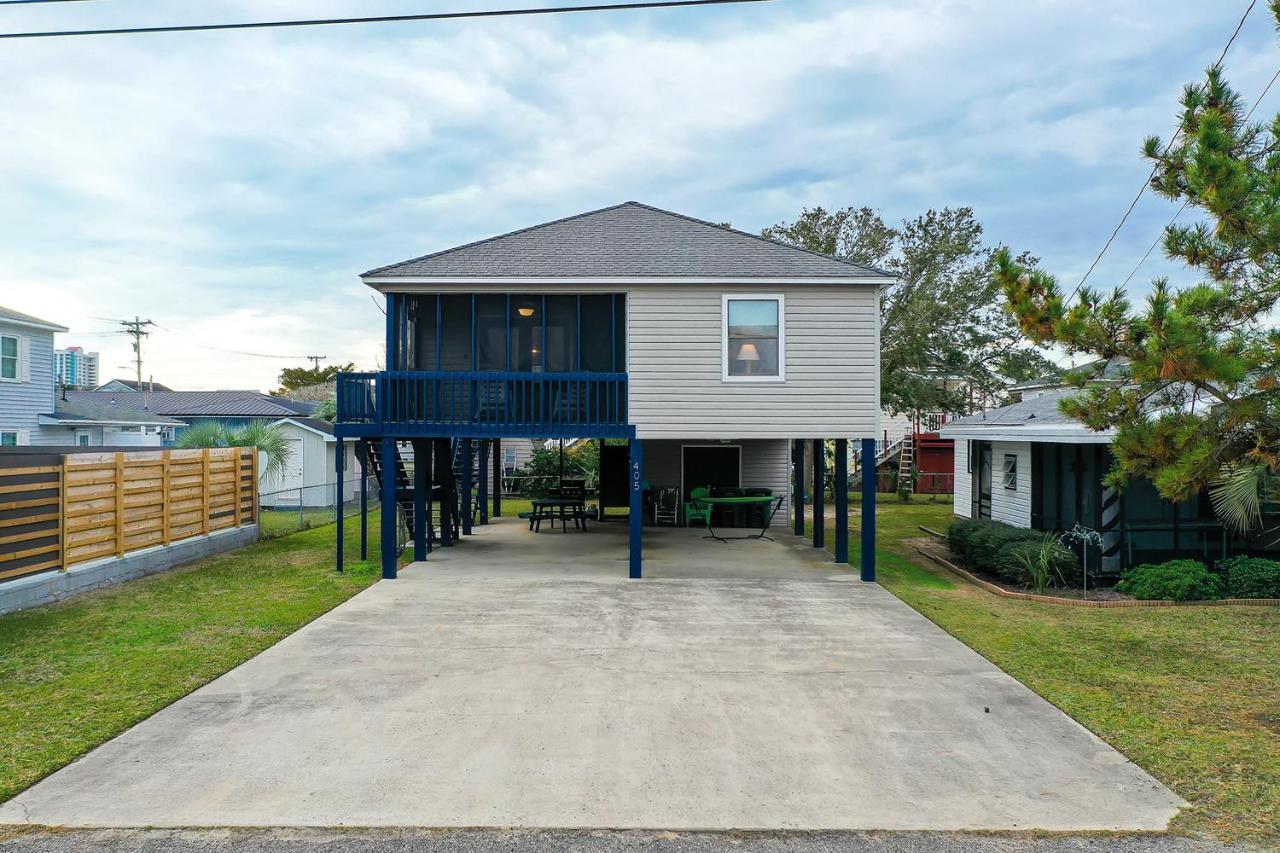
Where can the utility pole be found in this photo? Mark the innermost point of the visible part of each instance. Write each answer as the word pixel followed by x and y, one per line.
pixel 135 329
pixel 315 360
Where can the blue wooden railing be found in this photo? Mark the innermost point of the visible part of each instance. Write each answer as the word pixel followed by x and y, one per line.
pixel 478 404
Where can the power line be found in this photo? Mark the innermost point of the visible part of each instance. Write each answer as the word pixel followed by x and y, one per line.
pixel 382 19
pixel 1142 189
pixel 29 2
pixel 1156 242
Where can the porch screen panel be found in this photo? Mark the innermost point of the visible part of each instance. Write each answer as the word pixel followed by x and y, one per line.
pixel 597 332
pixel 423 330
pixel 455 332
pixel 491 331
pixel 526 333
pixel 562 334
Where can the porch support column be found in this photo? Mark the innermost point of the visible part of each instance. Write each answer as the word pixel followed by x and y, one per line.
pixel 842 500
pixel 868 509
pixel 635 513
pixel 362 452
pixel 389 506
pixel 483 471
pixel 420 486
pixel 819 499
pixel 444 472
pixel 338 453
pixel 468 462
pixel 428 462
pixel 797 465
pixel 497 478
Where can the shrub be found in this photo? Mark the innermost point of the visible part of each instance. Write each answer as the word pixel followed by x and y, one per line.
pixel 1045 563
pixel 1176 580
pixel 990 546
pixel 1251 577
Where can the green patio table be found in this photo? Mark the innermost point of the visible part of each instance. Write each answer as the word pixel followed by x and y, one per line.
pixel 771 505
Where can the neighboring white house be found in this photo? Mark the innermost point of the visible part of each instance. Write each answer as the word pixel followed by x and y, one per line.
pixel 85 424
pixel 1029 465
pixel 308 478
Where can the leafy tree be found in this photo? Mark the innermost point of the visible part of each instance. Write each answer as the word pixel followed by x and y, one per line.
pixel 581 462
pixel 293 378
pixel 1200 406
pixel 946 340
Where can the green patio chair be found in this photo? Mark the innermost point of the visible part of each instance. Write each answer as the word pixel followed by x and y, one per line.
pixel 695 508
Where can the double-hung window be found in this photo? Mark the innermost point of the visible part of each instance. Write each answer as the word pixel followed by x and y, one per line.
pixel 8 438
pixel 1010 472
pixel 9 368
pixel 754 339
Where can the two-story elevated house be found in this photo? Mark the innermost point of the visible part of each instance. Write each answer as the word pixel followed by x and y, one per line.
pixel 714 353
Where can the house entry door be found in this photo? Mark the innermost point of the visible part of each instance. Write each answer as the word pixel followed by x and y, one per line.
pixel 982 480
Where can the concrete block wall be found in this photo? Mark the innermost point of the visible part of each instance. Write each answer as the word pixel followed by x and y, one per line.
pixel 48 587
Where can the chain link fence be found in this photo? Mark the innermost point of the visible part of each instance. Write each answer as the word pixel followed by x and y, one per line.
pixel 290 510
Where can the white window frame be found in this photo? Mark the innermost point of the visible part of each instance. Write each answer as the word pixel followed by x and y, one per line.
pixel 1009 472
pixel 87 435
pixel 17 437
pixel 782 336
pixel 17 359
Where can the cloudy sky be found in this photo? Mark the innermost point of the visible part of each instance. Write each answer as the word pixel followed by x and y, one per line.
pixel 231 186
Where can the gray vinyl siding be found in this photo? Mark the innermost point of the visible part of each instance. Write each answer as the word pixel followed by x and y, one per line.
pixel 765 465
pixel 674 352
pixel 963 480
pixel 1012 506
pixel 22 402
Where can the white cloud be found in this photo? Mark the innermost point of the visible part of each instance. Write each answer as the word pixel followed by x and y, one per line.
pixel 232 185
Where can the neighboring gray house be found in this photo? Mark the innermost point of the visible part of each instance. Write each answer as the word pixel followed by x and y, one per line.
pixel 131 385
pixel 234 408
pixel 26 377
pixel 86 424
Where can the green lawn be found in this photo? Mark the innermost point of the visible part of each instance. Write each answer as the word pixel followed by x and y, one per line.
pixel 73 675
pixel 1190 694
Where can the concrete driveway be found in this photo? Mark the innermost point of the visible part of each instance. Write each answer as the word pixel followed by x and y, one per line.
pixel 520 680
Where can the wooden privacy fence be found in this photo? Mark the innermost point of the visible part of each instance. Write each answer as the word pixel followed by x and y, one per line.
pixel 57 510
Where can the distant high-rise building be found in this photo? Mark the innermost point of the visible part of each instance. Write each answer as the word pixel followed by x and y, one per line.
pixel 76 368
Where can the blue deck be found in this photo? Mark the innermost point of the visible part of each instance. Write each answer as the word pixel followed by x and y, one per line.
pixel 483 404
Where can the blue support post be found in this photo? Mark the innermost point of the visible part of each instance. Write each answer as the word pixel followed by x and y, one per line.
pixel 428 460
pixel 389 520
pixel 421 484
pixel 635 512
pixel 338 454
pixel 497 478
pixel 868 509
pixel 819 496
pixel 364 500
pixel 467 462
pixel 483 469
pixel 393 328
pixel 842 500
pixel 797 464
pixel 444 465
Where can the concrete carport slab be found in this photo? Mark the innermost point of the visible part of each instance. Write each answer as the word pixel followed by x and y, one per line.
pixel 497 686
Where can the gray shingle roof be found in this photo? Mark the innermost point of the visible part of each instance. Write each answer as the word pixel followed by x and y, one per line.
pixel 135 385
pixel 194 404
pixel 1041 410
pixel 629 240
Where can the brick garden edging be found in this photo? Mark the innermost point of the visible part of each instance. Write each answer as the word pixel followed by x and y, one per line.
pixel 995 589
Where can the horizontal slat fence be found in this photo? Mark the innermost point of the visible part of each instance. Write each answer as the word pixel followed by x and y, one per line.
pixel 60 510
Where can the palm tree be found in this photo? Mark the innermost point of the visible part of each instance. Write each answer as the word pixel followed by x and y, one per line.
pixel 1240 496
pixel 267 438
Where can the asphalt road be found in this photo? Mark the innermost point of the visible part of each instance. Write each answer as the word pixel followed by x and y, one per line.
pixel 499 841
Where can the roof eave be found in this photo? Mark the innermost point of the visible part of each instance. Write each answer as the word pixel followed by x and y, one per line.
pixel 412 283
pixel 30 324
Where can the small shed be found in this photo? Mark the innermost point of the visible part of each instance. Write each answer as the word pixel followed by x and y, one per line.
pixel 308 479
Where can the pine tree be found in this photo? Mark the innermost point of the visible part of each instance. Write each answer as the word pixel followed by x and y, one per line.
pixel 1200 406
